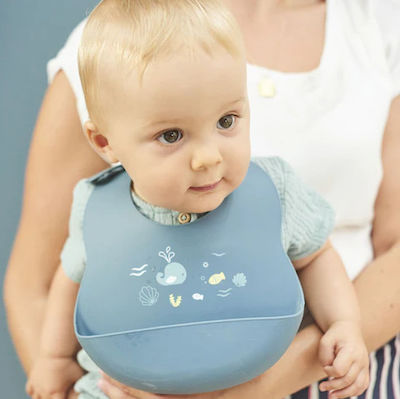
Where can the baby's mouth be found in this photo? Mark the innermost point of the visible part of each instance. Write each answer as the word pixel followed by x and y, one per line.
pixel 206 187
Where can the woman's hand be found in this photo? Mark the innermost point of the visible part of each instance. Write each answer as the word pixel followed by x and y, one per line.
pixel 254 389
pixel 52 377
pixel 72 394
pixel 115 390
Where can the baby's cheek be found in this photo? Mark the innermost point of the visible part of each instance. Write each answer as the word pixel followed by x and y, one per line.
pixel 165 191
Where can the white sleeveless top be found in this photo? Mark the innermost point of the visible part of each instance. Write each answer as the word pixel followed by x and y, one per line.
pixel 327 123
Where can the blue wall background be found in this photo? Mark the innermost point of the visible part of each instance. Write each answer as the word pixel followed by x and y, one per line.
pixel 31 32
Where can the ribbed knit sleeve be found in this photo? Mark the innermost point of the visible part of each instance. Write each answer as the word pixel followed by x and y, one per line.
pixel 73 255
pixel 307 219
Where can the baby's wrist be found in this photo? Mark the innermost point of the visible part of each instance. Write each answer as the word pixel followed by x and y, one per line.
pixel 346 323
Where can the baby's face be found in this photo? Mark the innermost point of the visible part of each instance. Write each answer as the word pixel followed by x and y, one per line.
pixel 182 134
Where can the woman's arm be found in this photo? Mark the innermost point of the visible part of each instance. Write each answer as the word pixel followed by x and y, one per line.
pixel 55 370
pixel 59 156
pixel 58 338
pixel 378 285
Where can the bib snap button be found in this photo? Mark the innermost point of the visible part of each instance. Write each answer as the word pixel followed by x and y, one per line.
pixel 184 218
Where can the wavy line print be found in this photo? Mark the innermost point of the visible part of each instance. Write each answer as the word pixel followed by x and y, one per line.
pixel 138 269
pixel 225 291
pixel 138 274
pixel 216 254
pixel 224 295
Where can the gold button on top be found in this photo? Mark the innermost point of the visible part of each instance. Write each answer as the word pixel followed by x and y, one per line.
pixel 184 218
pixel 266 88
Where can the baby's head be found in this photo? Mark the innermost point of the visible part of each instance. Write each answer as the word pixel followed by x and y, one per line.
pixel 165 86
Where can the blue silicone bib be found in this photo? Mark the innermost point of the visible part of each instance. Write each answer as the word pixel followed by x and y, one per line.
pixel 189 308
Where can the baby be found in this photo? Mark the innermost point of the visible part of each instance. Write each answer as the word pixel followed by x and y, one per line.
pixel 165 87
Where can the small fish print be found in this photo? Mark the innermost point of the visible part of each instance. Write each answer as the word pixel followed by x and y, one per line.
pixel 198 297
pixel 216 278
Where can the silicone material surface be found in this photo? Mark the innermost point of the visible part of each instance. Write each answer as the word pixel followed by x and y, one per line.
pixel 190 308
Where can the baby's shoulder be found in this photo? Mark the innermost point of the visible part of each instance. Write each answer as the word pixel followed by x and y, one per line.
pixel 275 167
pixel 286 181
pixel 84 188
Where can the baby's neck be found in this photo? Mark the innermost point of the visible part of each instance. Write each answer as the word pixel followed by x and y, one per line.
pixel 163 215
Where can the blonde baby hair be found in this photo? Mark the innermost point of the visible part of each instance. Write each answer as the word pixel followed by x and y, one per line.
pixel 133 33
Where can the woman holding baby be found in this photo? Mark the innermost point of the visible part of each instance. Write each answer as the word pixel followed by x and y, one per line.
pixel 326 99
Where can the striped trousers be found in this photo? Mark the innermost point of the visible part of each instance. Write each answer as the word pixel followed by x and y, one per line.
pixel 384 376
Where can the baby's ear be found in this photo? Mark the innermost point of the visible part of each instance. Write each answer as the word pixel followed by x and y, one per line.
pixel 99 142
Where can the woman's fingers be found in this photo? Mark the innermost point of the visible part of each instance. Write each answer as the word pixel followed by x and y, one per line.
pixel 114 392
pixel 72 394
pixel 129 391
pixel 59 395
pixel 28 388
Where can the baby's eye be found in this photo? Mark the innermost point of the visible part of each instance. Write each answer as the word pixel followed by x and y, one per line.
pixel 170 136
pixel 226 122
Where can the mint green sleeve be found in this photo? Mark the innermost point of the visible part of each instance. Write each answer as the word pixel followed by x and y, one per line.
pixel 307 218
pixel 73 255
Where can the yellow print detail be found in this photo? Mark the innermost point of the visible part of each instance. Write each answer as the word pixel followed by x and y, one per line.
pixel 216 278
pixel 175 302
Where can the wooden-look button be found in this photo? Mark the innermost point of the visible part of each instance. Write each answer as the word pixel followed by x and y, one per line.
pixel 266 88
pixel 184 218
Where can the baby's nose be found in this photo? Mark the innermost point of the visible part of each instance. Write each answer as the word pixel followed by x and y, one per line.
pixel 205 157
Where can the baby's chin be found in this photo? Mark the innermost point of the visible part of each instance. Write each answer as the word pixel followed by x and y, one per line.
pixel 202 206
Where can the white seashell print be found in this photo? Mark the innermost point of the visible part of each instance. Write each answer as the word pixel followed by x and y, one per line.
pixel 148 295
pixel 239 280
